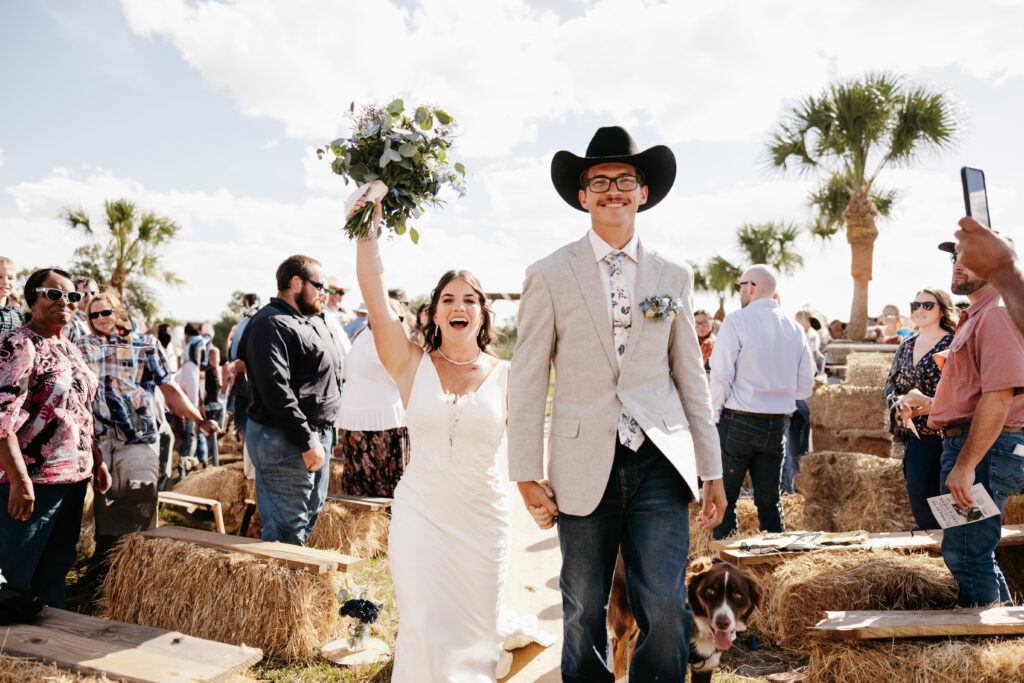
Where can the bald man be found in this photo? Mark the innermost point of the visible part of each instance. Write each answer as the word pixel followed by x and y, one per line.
pixel 760 366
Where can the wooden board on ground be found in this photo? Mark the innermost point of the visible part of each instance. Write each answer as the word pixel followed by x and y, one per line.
pixel 91 645
pixel 192 502
pixel 921 623
pixel 897 540
pixel 337 651
pixel 298 557
pixel 361 502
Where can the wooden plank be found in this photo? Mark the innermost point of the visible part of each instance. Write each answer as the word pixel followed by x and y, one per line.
pixel 297 557
pixel 930 541
pixel 87 656
pixel 875 624
pixel 229 658
pixel 361 502
pixel 192 502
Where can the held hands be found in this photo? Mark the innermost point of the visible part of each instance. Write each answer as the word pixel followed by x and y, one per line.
pixel 712 510
pixel 314 457
pixel 540 502
pixel 984 251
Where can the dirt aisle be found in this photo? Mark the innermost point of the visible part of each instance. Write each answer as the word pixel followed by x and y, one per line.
pixel 532 588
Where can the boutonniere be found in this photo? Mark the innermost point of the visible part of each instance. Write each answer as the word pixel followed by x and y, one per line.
pixel 664 307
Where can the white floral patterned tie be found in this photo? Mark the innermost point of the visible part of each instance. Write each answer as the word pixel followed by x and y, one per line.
pixel 630 434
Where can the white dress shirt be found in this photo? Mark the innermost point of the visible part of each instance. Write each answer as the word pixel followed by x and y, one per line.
pixel 629 266
pixel 761 362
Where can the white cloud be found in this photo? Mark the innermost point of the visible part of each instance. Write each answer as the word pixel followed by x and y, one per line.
pixel 689 70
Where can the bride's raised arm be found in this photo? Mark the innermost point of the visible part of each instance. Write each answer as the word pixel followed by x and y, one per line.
pixel 398 355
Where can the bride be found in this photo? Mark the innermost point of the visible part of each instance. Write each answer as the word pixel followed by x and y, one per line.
pixel 451 520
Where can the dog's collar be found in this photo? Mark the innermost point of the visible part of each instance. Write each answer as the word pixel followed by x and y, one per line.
pixel 695 659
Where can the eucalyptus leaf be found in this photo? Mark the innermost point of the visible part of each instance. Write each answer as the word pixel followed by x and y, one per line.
pixel 414 235
pixel 391 154
pixel 443 117
pixel 421 115
pixel 396 106
pixel 340 142
pixel 460 168
pixel 405 163
pixel 427 123
pixel 400 229
pixel 407 149
pixel 384 160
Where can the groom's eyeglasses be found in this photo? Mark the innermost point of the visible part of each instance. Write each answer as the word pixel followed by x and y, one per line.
pixel 625 183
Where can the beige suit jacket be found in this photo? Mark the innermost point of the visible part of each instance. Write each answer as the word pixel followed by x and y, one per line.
pixel 564 322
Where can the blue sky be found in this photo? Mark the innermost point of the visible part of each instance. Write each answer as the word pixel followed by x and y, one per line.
pixel 209 112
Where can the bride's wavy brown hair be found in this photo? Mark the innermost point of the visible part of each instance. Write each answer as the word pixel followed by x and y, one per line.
pixel 432 334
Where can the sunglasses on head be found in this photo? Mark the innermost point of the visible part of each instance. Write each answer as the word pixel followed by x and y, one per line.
pixel 54 294
pixel 926 305
pixel 100 314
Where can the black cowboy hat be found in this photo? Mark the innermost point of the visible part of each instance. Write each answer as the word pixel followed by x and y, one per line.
pixel 613 145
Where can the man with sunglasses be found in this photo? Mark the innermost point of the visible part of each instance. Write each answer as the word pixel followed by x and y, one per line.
pixel 761 366
pixel 979 405
pixel 295 387
pixel 86 288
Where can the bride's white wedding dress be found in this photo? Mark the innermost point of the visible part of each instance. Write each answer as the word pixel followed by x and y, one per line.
pixel 451 531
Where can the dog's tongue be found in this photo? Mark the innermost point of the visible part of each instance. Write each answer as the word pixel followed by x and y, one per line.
pixel 723 639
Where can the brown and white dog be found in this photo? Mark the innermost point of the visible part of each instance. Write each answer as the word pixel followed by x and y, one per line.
pixel 722 597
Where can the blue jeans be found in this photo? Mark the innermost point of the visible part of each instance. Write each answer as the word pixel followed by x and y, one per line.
pixel 37 554
pixel 969 549
pixel 798 437
pixel 754 443
pixel 922 465
pixel 289 497
pixel 645 510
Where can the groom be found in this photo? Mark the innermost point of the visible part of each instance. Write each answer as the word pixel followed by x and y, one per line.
pixel 631 421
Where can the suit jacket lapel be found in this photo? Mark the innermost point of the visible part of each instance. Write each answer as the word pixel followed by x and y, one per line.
pixel 588 276
pixel 648 272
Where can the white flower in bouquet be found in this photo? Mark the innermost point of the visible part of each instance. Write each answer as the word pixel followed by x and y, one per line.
pixel 400 158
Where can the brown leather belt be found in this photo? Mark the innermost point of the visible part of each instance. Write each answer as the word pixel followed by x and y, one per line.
pixel 961 428
pixel 744 412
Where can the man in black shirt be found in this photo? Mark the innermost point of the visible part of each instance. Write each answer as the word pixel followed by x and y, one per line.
pixel 295 389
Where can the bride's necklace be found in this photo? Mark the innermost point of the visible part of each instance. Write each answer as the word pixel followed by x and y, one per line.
pixel 461 362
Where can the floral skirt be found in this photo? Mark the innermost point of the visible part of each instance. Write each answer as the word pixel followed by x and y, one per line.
pixel 374 461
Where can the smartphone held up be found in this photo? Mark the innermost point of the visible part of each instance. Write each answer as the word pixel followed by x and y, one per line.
pixel 975 195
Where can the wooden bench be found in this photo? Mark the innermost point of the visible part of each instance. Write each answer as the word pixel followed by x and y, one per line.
pixel 920 623
pixel 94 646
pixel 191 503
pixel 361 502
pixel 295 556
pixel 930 541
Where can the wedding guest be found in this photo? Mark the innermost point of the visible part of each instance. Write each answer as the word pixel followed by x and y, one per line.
pixel 213 403
pixel 46 441
pixel 702 322
pixel 193 358
pixel 296 393
pixel 10 307
pixel 994 258
pixel 130 367
pixel 78 326
pixel 914 371
pixel 372 430
pixel 353 326
pixel 416 336
pixel 837 330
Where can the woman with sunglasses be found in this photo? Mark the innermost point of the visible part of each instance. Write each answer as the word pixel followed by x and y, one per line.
pixel 130 366
pixel 46 441
pixel 909 391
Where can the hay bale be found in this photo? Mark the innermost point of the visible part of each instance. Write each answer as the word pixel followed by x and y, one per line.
pixel 746 518
pixel 226 483
pixel 19 670
pixel 1013 510
pixel 967 660
pixel 868 369
pixel 873 442
pixel 800 589
pixel 853 491
pixel 337 472
pixel 842 406
pixel 350 531
pixel 1011 562
pixel 227 597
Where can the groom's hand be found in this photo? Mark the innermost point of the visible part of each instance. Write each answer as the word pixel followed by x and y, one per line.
pixel 540 503
pixel 712 511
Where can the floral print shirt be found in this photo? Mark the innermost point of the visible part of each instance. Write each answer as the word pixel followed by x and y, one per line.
pixel 129 368
pixel 46 392
pixel 905 375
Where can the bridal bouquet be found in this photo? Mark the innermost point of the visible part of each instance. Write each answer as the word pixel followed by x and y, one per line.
pixel 400 157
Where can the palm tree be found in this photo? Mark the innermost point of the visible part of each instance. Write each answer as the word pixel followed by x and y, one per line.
pixel 849 133
pixel 770 243
pixel 721 277
pixel 130 257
